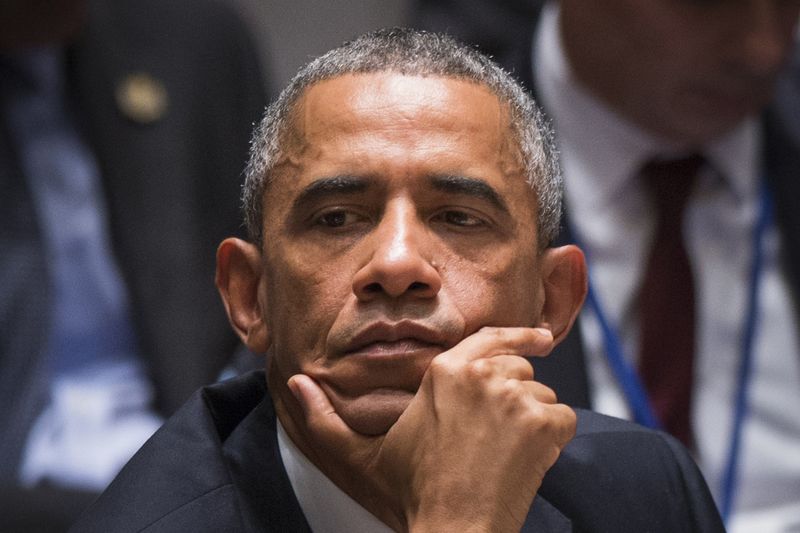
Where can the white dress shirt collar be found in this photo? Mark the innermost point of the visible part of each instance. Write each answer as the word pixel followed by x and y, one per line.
pixel 326 507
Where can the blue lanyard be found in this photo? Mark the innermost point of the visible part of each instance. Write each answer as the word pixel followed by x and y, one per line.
pixel 746 364
pixel 631 384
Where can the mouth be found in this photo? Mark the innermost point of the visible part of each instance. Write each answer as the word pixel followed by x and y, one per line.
pixel 394 340
pixel 395 349
pixel 383 355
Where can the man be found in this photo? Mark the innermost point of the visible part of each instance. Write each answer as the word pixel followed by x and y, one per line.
pixel 401 196
pixel 122 127
pixel 627 83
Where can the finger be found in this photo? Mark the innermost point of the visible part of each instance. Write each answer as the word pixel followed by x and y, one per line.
pixel 322 421
pixel 504 366
pixel 494 341
pixel 540 392
pixel 566 425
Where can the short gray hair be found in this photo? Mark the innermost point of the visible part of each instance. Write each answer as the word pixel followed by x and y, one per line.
pixel 414 53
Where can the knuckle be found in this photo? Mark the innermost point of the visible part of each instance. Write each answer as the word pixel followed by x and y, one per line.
pixel 513 390
pixel 480 369
pixel 558 421
pixel 535 418
pixel 440 368
pixel 513 399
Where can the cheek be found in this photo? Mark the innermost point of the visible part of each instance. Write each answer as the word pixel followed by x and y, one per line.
pixel 500 291
pixel 303 300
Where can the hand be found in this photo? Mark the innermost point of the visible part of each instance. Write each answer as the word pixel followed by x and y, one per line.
pixel 469 452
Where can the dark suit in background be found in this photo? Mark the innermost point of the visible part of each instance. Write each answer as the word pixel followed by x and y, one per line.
pixel 170 178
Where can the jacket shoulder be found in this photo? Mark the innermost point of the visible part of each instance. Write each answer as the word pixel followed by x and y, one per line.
pixel 618 476
pixel 179 480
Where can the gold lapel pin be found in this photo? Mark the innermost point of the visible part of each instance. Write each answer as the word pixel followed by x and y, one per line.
pixel 142 98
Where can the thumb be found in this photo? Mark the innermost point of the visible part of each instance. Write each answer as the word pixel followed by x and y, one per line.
pixel 322 421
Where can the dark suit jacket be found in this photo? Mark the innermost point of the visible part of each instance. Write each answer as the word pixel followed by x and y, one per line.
pixel 507 35
pixel 216 466
pixel 171 188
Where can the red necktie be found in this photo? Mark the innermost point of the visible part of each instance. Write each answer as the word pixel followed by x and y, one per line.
pixel 666 299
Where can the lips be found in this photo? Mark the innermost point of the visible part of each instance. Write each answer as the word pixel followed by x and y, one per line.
pixel 381 355
pixel 383 339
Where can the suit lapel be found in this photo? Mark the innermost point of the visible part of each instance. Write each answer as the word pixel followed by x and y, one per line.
pixel 266 498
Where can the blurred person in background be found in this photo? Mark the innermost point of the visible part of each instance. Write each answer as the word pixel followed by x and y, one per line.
pixel 124 129
pixel 676 110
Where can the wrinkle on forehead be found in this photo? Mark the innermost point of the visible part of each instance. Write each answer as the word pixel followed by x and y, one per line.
pixel 393 101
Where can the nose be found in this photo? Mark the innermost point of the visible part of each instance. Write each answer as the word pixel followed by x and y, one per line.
pixel 399 263
pixel 768 27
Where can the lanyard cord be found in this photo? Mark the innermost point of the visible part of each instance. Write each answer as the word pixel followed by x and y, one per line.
pixel 626 375
pixel 730 475
pixel 631 384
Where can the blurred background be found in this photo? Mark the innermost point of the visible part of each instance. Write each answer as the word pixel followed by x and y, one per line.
pixel 290 33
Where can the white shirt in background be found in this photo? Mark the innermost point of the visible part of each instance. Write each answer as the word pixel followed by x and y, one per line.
pixel 601 153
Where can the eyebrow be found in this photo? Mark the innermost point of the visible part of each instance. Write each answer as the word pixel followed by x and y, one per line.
pixel 471 187
pixel 452 184
pixel 328 186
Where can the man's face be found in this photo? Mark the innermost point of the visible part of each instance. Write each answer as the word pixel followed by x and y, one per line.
pixel 398 223
pixel 688 70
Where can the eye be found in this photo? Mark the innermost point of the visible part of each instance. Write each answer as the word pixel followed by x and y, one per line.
pixel 460 218
pixel 337 218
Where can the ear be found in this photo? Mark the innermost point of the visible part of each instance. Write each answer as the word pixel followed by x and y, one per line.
pixel 239 281
pixel 564 279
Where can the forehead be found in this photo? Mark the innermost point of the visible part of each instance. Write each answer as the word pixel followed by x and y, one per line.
pixel 369 138
pixel 398 120
pixel 398 100
pixel 398 134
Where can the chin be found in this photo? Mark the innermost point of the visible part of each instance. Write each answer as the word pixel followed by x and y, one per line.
pixel 373 413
